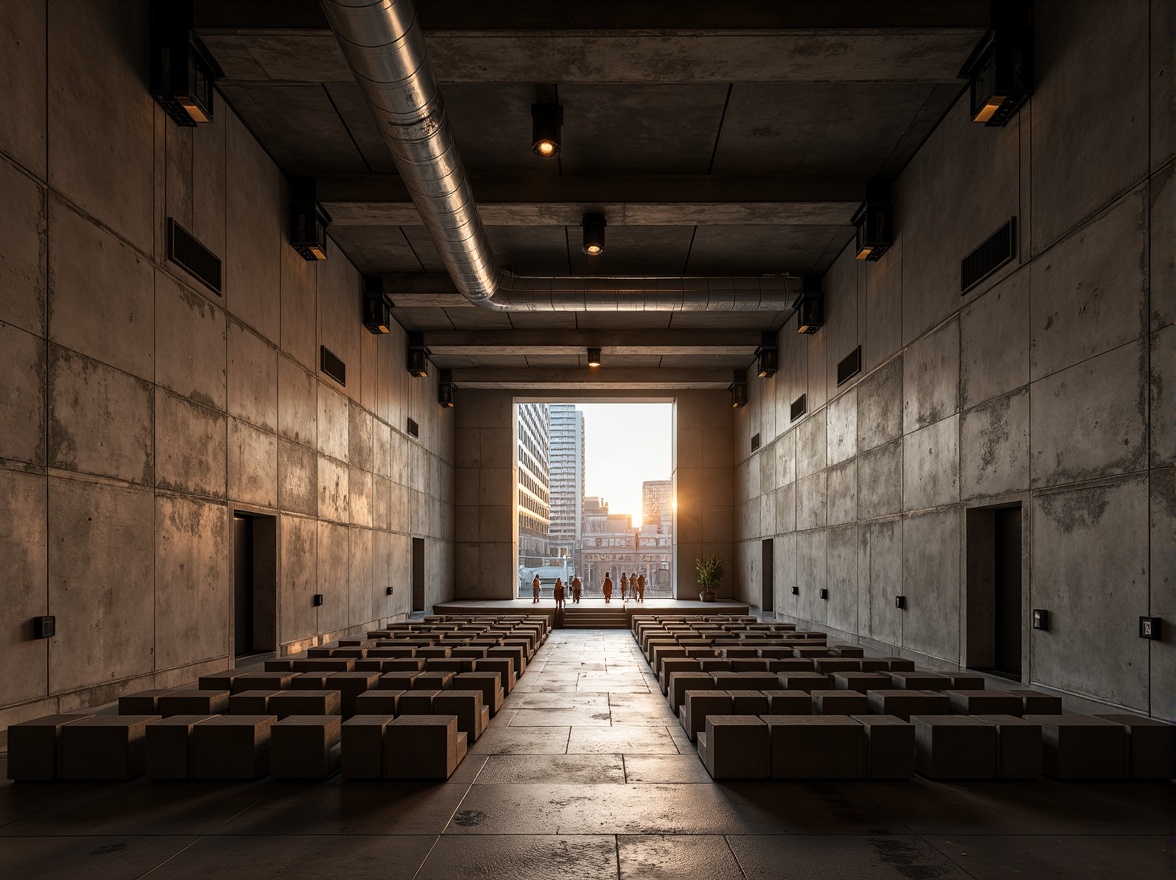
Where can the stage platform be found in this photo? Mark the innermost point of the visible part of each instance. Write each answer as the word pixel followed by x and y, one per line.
pixel 546 606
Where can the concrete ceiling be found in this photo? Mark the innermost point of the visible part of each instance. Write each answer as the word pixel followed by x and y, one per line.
pixel 728 138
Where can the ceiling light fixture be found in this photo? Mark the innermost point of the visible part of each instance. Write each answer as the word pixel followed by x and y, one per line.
pixel 766 354
pixel 546 121
pixel 446 390
pixel 1000 68
pixel 594 357
pixel 308 220
pixel 738 389
pixel 182 70
pixel 418 356
pixel 810 305
pixel 377 308
pixel 874 220
pixel 593 234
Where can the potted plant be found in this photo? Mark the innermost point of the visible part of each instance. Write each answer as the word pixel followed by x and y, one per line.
pixel 710 572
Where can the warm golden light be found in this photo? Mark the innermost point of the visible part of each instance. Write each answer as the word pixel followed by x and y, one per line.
pixel 990 107
pixel 193 109
pixel 545 148
pixel 317 252
pixel 865 252
pixel 593 249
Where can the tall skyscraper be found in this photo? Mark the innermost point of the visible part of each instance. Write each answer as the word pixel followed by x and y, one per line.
pixel 566 469
pixel 534 487
pixel 657 500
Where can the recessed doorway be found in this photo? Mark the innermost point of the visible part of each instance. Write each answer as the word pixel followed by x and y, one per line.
pixel 255 583
pixel 418 574
pixel 994 591
pixel 767 567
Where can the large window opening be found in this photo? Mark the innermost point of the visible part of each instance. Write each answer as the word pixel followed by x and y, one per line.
pixel 595 496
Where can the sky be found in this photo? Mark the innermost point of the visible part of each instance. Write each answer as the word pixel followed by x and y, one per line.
pixel 625 444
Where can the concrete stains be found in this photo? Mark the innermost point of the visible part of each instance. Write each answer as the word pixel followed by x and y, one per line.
pixel 1075 510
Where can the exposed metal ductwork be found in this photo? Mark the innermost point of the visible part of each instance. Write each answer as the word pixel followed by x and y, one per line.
pixel 385 50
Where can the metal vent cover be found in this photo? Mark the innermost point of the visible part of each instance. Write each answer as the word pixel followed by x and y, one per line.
pixel 996 251
pixel 755 442
pixel 849 366
pixel 799 407
pixel 186 251
pixel 414 430
pixel 331 364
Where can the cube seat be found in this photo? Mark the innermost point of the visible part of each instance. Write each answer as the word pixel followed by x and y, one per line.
pixel 1082 747
pixel 106 747
pixel 816 747
pixel 34 747
pixel 954 747
pixel 232 747
pixel 838 702
pixel 305 747
pixel 309 702
pixel 735 747
pixel 169 746
pixel 890 746
pixel 422 747
pixel 1018 746
pixel 196 702
pixel 1150 745
pixel 905 703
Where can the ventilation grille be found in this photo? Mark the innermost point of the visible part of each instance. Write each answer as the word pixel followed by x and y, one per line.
pixel 990 256
pixel 414 430
pixel 755 442
pixel 185 251
pixel 332 365
pixel 849 366
pixel 799 407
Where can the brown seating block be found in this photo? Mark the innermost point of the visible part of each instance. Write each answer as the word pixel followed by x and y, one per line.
pixel 194 703
pixel 350 685
pixel 811 651
pixel 749 664
pixel 34 748
pixel 218 681
pixel 422 747
pixel 396 681
pixel 505 668
pixel 752 681
pixel 970 702
pixel 472 714
pixel 1018 746
pixel 232 747
pixel 788 703
pixel 839 702
pixel 829 665
pixel 142 702
pixel 748 702
pixel 860 682
pixel 434 653
pixel 488 683
pixel 168 743
pixel 416 702
pixel 848 650
pixel 284 665
pixel 286 703
pixel 900 664
pixel 518 653
pixel 456 665
pixel 875 664
pixel 324 664
pixel 954 747
pixel 1149 745
pixel 890 746
pixel 1082 747
pixel 735 747
pixel 310 681
pixel 919 681
pixel 714 664
pixel 675 664
pixel 433 681
pixel 906 703
pixel 816 746
pixel 961 681
pixel 1036 702
pixel 697 705
pixel 802 681
pixel 795 664
pixel 105 747
pixel 680 682
pixel 378 702
pixel 262 681
pixel 305 747
pixel 251 702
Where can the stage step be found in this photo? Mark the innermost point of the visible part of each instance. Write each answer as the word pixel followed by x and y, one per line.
pixel 595 617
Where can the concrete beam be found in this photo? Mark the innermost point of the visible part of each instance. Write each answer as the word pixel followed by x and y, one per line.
pixel 836 48
pixel 485 343
pixel 590 379
pixel 668 200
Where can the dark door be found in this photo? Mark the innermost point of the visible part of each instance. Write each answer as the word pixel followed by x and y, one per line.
pixel 1007 591
pixel 418 574
pixel 242 585
pixel 768 567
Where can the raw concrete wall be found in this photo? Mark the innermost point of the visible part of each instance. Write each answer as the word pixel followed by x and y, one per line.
pixel 1049 385
pixel 139 409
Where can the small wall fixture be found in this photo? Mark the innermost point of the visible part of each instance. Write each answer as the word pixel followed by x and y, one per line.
pixel 796 591
pixel 377 308
pixel 767 355
pixel 44 627
pixel 182 70
pixel 318 599
pixel 900 601
pixel 546 121
pixel 824 594
pixel 1041 619
pixel 418 356
pixel 738 389
pixel 810 305
pixel 1149 628
pixel 308 220
pixel 1000 68
pixel 594 234
pixel 874 220
pixel 446 391
pixel 388 591
pixel 594 357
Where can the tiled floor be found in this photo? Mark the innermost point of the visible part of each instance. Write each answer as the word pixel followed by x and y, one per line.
pixel 586 774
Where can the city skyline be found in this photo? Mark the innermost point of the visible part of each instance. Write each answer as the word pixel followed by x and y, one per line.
pixel 626 444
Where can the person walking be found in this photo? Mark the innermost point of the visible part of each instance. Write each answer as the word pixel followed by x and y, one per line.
pixel 641 588
pixel 624 585
pixel 607 588
pixel 577 588
pixel 558 592
pixel 535 589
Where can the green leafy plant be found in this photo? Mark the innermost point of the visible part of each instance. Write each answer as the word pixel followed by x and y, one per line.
pixel 710 571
